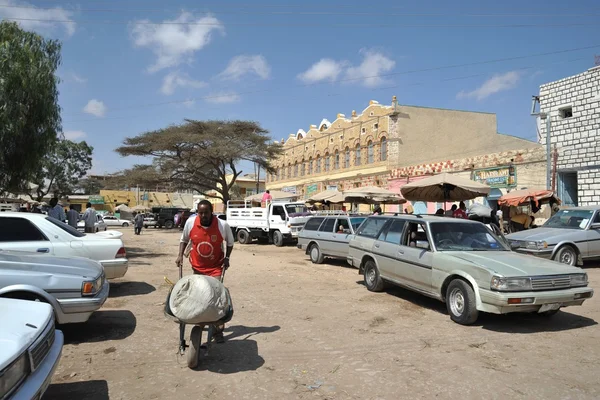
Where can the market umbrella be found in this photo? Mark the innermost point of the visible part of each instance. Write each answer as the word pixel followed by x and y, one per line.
pixel 140 207
pixel 525 196
pixel 373 195
pixel 444 187
pixel 325 195
pixel 275 194
pixel 123 207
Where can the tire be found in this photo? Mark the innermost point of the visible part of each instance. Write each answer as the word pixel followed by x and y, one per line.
pixel 243 236
pixel 315 254
pixel 125 225
pixel 372 279
pixel 277 239
pixel 460 302
pixel 566 255
pixel 169 224
pixel 193 352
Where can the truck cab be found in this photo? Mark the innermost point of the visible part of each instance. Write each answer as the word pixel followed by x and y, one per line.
pixel 278 222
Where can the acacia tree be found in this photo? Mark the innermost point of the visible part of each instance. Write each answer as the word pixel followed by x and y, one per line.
pixel 199 155
pixel 29 111
pixel 62 169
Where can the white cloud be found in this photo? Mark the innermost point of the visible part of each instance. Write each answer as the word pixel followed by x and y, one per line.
pixel 325 69
pixel 495 84
pixel 176 79
pixel 95 107
pixel 223 98
pixel 176 43
pixel 78 79
pixel 244 65
pixel 29 17
pixel 374 63
pixel 74 135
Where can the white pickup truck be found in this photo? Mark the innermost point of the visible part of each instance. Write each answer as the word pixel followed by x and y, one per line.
pixel 279 222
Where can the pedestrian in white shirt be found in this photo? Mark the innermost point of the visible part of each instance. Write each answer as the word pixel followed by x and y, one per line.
pixel 89 218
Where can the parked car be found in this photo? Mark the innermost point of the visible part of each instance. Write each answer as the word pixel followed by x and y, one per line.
pixel 30 351
pixel 570 236
pixel 111 220
pixel 150 220
pixel 100 225
pixel 165 216
pixel 463 264
pixel 41 234
pixel 78 286
pixel 328 236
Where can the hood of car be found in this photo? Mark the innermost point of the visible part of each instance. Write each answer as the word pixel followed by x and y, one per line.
pixel 22 323
pixel 51 265
pixel 549 235
pixel 508 263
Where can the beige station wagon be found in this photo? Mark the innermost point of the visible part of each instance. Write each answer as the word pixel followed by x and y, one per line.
pixel 463 264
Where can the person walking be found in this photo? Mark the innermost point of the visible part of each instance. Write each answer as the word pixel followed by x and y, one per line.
pixel 73 216
pixel 211 246
pixel 138 222
pixel 56 211
pixel 89 218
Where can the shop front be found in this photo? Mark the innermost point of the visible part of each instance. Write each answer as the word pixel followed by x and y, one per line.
pixel 501 179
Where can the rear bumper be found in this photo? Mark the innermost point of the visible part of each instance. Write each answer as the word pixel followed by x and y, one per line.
pixel 80 309
pixel 116 268
pixel 497 302
pixel 36 384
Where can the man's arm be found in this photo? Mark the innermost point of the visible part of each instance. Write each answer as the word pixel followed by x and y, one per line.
pixel 229 242
pixel 183 242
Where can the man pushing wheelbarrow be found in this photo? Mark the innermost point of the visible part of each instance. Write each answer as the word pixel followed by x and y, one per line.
pixel 209 242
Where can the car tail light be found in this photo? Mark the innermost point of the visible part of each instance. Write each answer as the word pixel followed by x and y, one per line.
pixel 121 253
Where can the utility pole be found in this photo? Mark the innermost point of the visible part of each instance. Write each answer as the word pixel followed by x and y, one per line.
pixel 545 116
pixel 257 171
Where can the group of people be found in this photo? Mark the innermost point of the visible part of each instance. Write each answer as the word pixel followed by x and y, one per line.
pixel 71 216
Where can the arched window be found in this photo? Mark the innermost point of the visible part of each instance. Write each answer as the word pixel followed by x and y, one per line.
pixel 289 171
pixel 336 162
pixel 310 166
pixel 302 168
pixel 370 157
pixel 327 158
pixel 383 149
pixel 357 156
pixel 295 170
pixel 347 158
pixel 318 168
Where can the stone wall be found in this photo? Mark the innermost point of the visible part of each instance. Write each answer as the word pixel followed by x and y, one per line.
pixel 589 187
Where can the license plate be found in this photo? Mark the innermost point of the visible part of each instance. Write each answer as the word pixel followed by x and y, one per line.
pixel 549 307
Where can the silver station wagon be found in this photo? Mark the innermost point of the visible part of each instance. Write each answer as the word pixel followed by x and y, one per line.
pixel 463 264
pixel 328 236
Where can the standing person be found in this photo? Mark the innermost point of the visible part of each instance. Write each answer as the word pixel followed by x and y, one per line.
pixel 461 212
pixel 377 210
pixel 56 211
pixel 89 218
pixel 267 198
pixel 211 245
pixel 73 216
pixel 450 212
pixel 138 222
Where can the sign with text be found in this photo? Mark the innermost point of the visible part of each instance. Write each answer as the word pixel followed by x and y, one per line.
pixel 311 189
pixel 97 199
pixel 331 187
pixel 500 177
pixel 289 189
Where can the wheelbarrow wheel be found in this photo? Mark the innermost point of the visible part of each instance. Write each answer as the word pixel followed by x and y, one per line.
pixel 193 352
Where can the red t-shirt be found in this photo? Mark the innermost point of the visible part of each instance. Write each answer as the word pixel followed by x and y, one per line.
pixel 207 253
pixel 459 213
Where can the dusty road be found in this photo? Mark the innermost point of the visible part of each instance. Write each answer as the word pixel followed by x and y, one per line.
pixel 306 331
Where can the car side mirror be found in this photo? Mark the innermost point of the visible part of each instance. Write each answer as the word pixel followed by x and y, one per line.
pixel 422 245
pixel 595 225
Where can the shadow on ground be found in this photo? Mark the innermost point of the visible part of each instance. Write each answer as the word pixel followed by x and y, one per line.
pixel 89 390
pixel 135 252
pixel 237 355
pixel 123 289
pixel 103 325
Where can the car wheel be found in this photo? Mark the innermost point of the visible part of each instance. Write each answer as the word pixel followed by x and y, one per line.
pixel 372 279
pixel 566 255
pixel 125 224
pixel 277 239
pixel 460 302
pixel 169 224
pixel 243 236
pixel 315 254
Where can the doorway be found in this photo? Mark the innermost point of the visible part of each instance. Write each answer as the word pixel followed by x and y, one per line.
pixel 567 188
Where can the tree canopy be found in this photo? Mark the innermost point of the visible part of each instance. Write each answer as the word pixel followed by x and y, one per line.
pixel 29 111
pixel 199 155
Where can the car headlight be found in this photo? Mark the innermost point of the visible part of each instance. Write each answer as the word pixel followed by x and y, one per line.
pixel 13 375
pixel 579 280
pixel 510 284
pixel 90 288
pixel 539 245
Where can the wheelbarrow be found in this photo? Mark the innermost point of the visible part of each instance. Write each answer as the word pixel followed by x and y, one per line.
pixel 196 349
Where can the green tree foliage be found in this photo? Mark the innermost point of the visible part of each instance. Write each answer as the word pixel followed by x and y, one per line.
pixel 198 155
pixel 29 111
pixel 62 169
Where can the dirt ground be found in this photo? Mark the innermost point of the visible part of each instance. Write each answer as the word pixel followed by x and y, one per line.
pixel 314 331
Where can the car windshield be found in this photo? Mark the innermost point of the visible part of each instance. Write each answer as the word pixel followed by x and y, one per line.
pixel 67 228
pixel 296 210
pixel 570 219
pixel 356 222
pixel 464 237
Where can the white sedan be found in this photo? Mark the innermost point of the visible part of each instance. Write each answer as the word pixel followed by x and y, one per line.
pixel 100 225
pixel 111 220
pixel 21 231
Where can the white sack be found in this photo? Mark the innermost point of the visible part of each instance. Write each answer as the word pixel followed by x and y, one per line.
pixel 480 210
pixel 197 298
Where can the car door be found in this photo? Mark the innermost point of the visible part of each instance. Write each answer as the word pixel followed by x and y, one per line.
pixel 277 218
pixel 366 238
pixel 325 236
pixel 111 221
pixel 340 237
pixel 415 260
pixel 593 237
pixel 20 234
pixel 387 248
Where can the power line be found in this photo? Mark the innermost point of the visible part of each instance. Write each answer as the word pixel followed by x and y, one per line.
pixel 302 25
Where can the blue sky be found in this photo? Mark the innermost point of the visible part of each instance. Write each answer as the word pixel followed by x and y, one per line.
pixel 288 65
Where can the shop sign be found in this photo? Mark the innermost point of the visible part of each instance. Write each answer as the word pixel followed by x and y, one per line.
pixel 289 189
pixel 331 187
pixel 311 189
pixel 501 177
pixel 97 199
